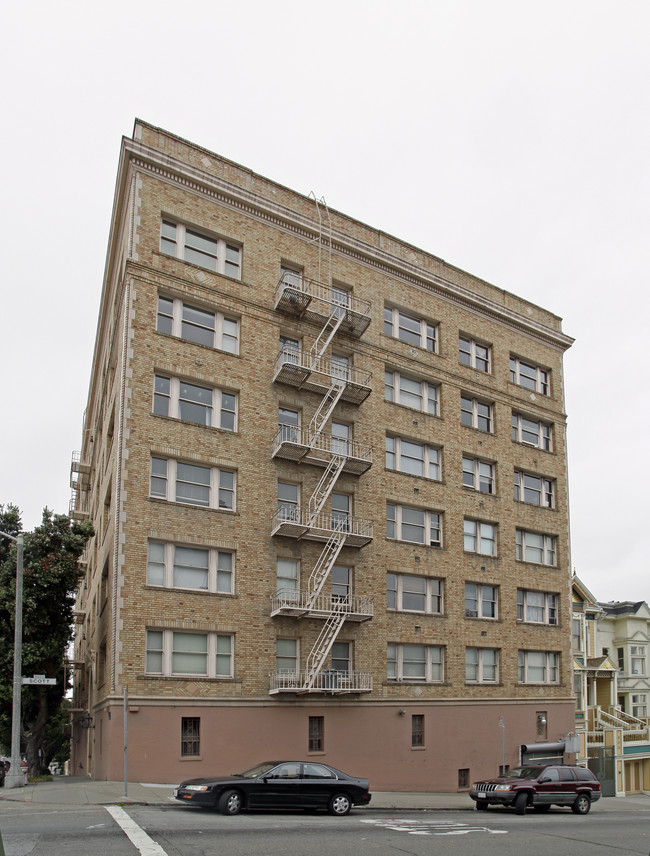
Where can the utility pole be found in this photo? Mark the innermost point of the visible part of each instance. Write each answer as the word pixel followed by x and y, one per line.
pixel 15 777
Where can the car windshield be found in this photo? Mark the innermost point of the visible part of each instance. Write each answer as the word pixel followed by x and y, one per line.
pixel 524 772
pixel 258 770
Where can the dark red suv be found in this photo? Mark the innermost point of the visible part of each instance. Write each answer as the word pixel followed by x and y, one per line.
pixel 540 787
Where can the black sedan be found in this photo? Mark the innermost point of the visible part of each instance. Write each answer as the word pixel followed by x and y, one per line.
pixel 278 784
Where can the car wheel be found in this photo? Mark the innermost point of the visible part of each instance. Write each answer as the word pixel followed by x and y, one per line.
pixel 339 804
pixel 581 805
pixel 542 808
pixel 520 803
pixel 481 805
pixel 230 802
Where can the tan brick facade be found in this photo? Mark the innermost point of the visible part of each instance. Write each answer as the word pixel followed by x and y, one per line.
pixel 399 662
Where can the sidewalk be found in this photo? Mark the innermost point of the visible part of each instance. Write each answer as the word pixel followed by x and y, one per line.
pixel 79 791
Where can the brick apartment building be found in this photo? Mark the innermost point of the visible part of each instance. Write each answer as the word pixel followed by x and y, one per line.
pixel 327 473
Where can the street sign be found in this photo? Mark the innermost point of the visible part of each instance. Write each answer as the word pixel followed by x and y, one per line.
pixel 39 680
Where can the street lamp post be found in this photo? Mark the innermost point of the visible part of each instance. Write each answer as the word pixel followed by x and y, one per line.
pixel 15 777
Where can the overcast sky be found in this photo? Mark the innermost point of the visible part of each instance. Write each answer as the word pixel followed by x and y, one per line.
pixel 510 138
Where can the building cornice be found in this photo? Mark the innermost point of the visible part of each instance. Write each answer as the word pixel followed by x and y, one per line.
pixel 175 171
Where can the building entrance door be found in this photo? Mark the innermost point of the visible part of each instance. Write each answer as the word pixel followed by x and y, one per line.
pixel 601 764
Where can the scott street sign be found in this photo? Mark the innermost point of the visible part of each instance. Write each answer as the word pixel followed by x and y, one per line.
pixel 39 679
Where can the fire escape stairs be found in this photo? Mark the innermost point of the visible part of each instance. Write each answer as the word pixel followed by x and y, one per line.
pixel 323 645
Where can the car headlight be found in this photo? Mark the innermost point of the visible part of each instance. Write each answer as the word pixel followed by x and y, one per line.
pixel 196 788
pixel 502 787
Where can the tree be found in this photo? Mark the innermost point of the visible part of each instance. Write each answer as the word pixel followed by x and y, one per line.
pixel 51 576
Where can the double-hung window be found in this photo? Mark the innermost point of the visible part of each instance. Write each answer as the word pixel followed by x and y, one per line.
pixel 193 484
pixel 288 500
pixel 478 475
pixel 414 593
pixel 192 402
pixel 539 667
pixel 481 665
pixel 287 578
pixel 537 607
pixel 200 568
pixel 207 251
pixel 640 706
pixel 416 459
pixel 416 525
pixel 479 537
pixel 474 354
pixel 532 432
pixel 411 392
pixel 415 662
pixel 529 376
pixel 637 659
pixel 342 657
pixel 286 655
pixel 341 582
pixel 480 601
pixel 194 324
pixel 410 329
pixel 536 547
pixel 476 414
pixel 175 652
pixel 535 490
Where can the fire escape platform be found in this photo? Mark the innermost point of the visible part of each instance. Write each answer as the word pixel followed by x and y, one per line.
pixel 299 605
pixel 296 444
pixel 314 301
pixel 329 681
pixel 297 523
pixel 300 370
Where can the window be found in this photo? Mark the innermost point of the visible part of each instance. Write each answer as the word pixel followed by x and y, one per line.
pixel 341 439
pixel 289 423
pixel 414 331
pixel 287 577
pixel 637 660
pixel 193 484
pixel 537 607
pixel 191 402
pixel 291 276
pixel 411 593
pixel 286 655
pixel 463 777
pixel 473 354
pixel 342 656
pixel 532 432
pixel 476 414
pixel 341 511
pixel 417 730
pixel 529 376
pixel 620 653
pixel 415 662
pixel 202 568
pixel 481 665
pixel 413 524
pixel 200 326
pixel 539 667
pixel 479 537
pixel 341 299
pixel 536 548
pixel 190 736
pixel 316 733
pixel 534 489
pixel 288 500
pixel 410 392
pixel 206 251
pixel 340 365
pixel 480 601
pixel 174 652
pixel 341 582
pixel 478 475
pixel 640 706
pixel 417 459
pixel 576 633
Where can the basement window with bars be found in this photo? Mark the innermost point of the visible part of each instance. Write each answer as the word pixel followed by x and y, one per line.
pixel 316 733
pixel 190 736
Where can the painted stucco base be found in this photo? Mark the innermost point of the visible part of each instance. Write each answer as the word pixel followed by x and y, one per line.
pixel 367 740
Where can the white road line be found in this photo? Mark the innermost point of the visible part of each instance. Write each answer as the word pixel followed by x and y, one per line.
pixel 146 846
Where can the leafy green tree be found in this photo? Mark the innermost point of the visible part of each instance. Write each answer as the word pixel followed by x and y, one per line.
pixel 51 575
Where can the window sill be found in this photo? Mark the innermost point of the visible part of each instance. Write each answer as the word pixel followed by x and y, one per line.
pixel 203 592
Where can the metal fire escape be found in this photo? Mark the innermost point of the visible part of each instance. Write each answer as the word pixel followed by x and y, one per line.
pixel 313 371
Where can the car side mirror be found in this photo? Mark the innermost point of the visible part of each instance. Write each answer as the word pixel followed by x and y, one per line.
pixel 544 780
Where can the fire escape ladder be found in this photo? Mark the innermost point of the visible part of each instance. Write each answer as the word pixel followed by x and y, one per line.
pixel 325 410
pixel 325 336
pixel 323 645
pixel 325 564
pixel 324 487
